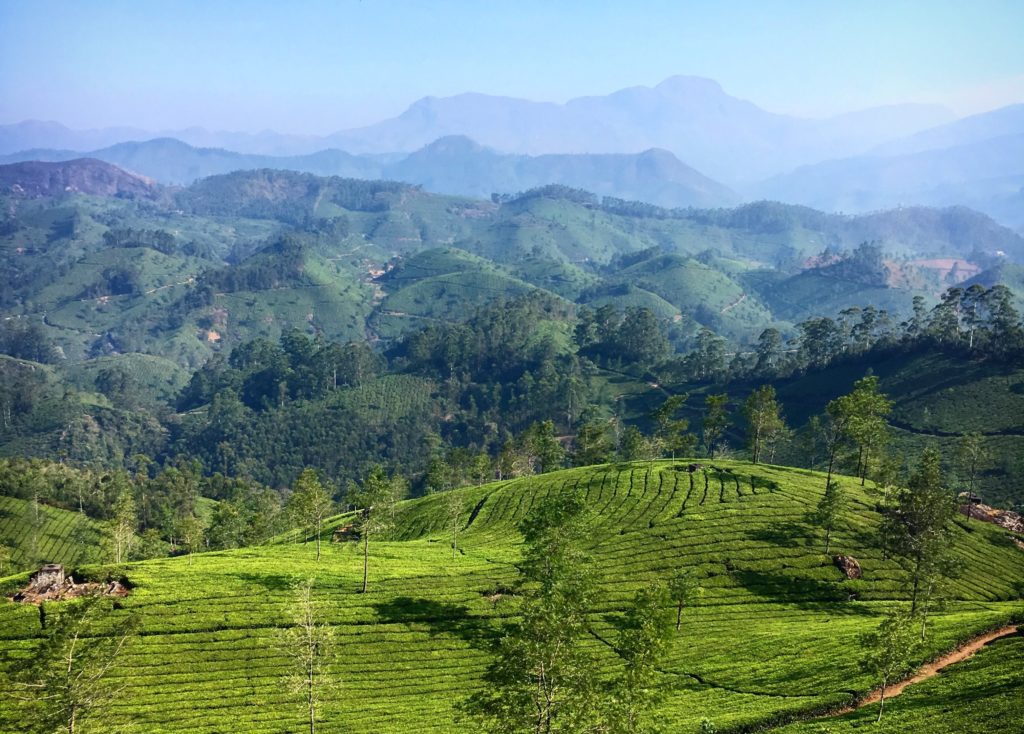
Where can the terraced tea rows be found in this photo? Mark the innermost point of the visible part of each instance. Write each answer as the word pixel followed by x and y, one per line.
pixel 54 536
pixel 775 634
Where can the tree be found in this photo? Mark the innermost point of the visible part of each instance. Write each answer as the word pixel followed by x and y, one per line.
pixel 6 554
pixel 670 430
pixel 888 652
pixel 716 419
pixel 453 518
pixel 683 589
pixel 122 525
pixel 642 643
pixel 375 499
pixel 864 411
pixel 830 506
pixel 543 447
pixel 544 679
pixel 917 528
pixel 593 445
pixel 65 680
pixel 308 645
pixel 191 529
pixel 971 459
pixel 769 351
pixel 764 420
pixel 311 503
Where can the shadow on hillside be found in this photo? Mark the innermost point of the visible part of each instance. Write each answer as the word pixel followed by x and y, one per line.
pixel 440 617
pixel 786 534
pixel 270 582
pixel 800 591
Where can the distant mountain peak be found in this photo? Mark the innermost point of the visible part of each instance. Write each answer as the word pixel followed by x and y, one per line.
pixel 82 175
pixel 681 84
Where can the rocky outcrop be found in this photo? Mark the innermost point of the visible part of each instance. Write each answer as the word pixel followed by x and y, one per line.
pixel 849 566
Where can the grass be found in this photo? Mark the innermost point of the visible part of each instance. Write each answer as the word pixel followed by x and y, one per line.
pixel 774 635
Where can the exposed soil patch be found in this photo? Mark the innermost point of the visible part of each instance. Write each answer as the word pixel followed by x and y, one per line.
pixel 50 583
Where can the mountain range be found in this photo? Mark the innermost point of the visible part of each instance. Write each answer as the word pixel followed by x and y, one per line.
pixel 684 142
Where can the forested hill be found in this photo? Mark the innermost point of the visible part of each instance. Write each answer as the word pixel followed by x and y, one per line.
pixel 264 321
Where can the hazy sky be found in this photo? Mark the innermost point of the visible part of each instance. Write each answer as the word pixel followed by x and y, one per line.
pixel 317 67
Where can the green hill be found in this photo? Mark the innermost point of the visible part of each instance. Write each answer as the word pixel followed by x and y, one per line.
pixel 775 634
pixel 52 536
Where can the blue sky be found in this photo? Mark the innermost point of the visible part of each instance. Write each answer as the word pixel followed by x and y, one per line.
pixel 317 67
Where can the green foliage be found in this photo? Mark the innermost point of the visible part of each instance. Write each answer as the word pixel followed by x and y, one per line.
pixel 889 651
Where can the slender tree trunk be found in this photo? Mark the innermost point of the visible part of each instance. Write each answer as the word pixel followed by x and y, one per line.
pixel 366 557
pixel 828 539
pixel 881 700
pixel 318 539
pixel 679 615
pixel 917 582
pixel 310 700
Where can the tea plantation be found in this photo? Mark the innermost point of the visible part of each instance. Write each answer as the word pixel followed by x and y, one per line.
pixel 773 638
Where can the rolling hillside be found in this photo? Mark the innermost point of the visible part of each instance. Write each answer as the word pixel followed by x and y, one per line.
pixel 775 635
pixel 52 536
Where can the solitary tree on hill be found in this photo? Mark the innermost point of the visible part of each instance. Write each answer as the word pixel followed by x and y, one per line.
pixel 828 510
pixel 308 645
pixel 683 589
pixel 918 527
pixel 375 499
pixel 889 651
pixel 453 519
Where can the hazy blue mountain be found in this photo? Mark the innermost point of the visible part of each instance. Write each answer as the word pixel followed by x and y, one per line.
pixel 974 129
pixel 172 161
pixel 986 175
pixel 43 135
pixel 728 138
pixel 458 165
pixel 453 165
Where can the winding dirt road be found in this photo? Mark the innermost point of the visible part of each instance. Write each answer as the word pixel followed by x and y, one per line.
pixel 930 670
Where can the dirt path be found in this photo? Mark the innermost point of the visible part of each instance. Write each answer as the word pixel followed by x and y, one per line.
pixel 930 670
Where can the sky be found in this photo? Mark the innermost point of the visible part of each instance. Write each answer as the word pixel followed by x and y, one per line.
pixel 306 67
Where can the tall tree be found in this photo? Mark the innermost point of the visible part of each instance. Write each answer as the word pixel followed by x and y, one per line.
pixel 544 679
pixel 191 529
pixel 65 681
pixel 764 420
pixel 716 420
pixel 971 460
pixel 453 518
pixel 683 588
pixel 593 444
pixel 670 429
pixel 122 525
pixel 918 527
pixel 866 408
pixel 642 643
pixel 308 645
pixel 827 512
pixel 889 651
pixel 311 503
pixel 375 499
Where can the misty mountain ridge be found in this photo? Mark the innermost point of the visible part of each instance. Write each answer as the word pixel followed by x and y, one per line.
pixel 725 137
pixel 451 165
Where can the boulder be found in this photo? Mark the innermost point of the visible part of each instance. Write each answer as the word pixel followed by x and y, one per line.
pixel 849 566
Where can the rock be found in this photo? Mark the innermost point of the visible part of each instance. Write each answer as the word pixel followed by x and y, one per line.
pixel 849 566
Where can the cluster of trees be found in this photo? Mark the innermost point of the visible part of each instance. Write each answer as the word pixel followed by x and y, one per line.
pixel 155 239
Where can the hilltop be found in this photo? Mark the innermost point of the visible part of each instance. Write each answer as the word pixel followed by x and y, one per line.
pixel 80 176
pixel 421 633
